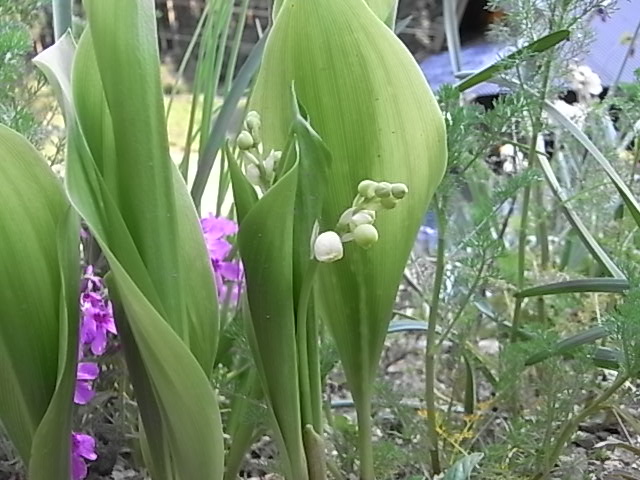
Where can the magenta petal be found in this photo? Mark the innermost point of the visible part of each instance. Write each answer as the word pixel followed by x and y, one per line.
pixel 99 343
pixel 87 329
pixel 78 468
pixel 84 446
pixel 83 393
pixel 87 371
pixel 218 248
pixel 110 326
pixel 217 227
pixel 230 270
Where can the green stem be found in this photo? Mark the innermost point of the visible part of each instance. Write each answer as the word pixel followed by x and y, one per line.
pixel 522 245
pixel 365 443
pixel 62 17
pixel 571 425
pixel 303 346
pixel 430 352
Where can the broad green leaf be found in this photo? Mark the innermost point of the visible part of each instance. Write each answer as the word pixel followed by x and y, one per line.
pixel 385 10
pixel 369 102
pixel 245 196
pixel 139 210
pixel 38 309
pixel 49 454
pixel 265 240
pixel 462 469
pixel 538 46
pixel 313 175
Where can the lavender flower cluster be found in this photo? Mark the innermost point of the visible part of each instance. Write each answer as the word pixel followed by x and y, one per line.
pixel 97 324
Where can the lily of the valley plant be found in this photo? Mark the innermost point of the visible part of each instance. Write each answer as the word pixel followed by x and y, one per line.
pixel 332 173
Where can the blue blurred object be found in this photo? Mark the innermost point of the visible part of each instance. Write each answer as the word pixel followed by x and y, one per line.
pixel 605 57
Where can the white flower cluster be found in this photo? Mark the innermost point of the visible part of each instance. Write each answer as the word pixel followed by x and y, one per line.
pixel 259 169
pixel 356 223
pixel 584 81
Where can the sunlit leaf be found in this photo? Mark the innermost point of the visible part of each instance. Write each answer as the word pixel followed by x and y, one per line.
pixel 39 278
pixel 369 102
pixel 122 181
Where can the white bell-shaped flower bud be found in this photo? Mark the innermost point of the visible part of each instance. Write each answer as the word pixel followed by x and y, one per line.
pixel 245 140
pixel 367 188
pixel 383 190
pixel 253 121
pixel 365 235
pixel 328 247
pixel 399 190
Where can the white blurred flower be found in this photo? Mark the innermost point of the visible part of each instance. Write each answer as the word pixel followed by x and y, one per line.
pixel 585 81
pixel 512 159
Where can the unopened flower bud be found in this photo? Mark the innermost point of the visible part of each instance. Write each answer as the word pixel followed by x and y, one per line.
pixel 328 247
pixel 271 161
pixel 367 188
pixel 245 140
pixel 389 202
pixel 365 235
pixel 253 174
pixel 399 190
pixel 253 121
pixel 383 190
pixel 361 218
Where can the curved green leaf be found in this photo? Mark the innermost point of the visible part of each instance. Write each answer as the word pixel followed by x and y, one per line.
pixel 266 247
pixel 369 102
pixel 122 181
pixel 38 309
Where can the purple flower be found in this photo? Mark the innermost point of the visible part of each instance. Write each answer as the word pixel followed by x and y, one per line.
pixel 86 373
pixel 228 274
pixel 83 447
pixel 218 227
pixel 90 281
pixel 97 320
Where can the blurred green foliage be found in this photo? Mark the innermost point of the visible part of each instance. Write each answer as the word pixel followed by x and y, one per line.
pixel 17 78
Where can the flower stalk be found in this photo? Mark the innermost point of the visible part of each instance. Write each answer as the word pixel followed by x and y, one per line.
pixel 431 347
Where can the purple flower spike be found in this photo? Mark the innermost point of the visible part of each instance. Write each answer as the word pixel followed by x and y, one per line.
pixel 86 373
pixel 97 321
pixel 228 274
pixel 83 447
pixel 218 227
